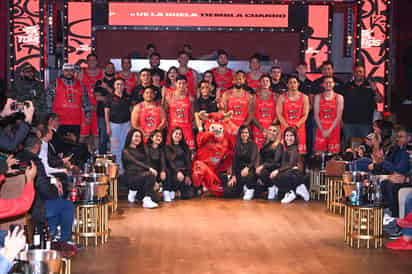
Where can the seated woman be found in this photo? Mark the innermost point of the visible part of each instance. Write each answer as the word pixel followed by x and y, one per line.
pixel 245 160
pixel 139 174
pixel 156 154
pixel 269 161
pixel 288 178
pixel 179 164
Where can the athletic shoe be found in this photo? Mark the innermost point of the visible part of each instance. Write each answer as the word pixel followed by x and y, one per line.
pixel 172 195
pixel 131 197
pixel 406 102
pixel 289 197
pixel 400 244
pixel 303 192
pixel 272 192
pixel 148 203
pixel 387 219
pixel 248 194
pixel 166 196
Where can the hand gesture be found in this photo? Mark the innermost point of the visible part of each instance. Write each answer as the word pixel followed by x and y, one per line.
pixel 31 173
pixel 274 173
pixel 244 172
pixel 14 242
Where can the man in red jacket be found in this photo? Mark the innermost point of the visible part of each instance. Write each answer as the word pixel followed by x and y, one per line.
pixel 14 207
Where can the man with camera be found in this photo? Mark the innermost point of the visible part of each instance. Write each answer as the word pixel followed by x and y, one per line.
pixel 9 116
pixel 49 205
pixel 28 88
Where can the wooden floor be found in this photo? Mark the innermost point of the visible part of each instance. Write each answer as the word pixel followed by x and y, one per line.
pixel 233 236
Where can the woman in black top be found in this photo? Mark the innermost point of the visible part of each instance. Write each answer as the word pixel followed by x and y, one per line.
pixel 205 102
pixel 209 77
pixel 156 154
pixel 140 176
pixel 269 160
pixel 117 118
pixel 288 178
pixel 179 163
pixel 244 163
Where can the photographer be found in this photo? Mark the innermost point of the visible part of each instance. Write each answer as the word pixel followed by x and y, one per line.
pixel 14 207
pixel 28 88
pixel 48 203
pixel 9 143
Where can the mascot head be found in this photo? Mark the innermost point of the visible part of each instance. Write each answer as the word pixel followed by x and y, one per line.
pixel 215 122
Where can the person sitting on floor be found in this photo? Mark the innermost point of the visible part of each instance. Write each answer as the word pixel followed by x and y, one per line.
pixel 288 178
pixel 179 163
pixel 141 177
pixel 269 161
pixel 245 160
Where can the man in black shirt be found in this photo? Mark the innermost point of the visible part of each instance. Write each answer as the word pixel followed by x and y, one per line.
pixel 278 85
pixel 102 89
pixel 145 81
pixel 154 61
pixel 305 86
pixel 205 102
pixel 327 70
pixel 360 96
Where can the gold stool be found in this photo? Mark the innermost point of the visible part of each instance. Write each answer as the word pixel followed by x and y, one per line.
pixel 92 221
pixel 318 187
pixel 113 172
pixel 334 195
pixel 363 226
pixel 67 266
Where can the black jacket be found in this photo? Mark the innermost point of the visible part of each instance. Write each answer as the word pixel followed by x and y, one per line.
pixel 44 189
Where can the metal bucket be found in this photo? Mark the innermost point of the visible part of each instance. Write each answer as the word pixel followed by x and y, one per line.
pixel 41 261
pixel 93 188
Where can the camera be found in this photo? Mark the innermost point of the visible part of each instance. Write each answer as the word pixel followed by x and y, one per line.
pixel 21 166
pixel 19 106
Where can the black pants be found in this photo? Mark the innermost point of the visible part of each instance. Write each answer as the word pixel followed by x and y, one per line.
pixel 287 181
pixel 64 129
pixel 173 184
pixel 236 190
pixel 390 196
pixel 142 183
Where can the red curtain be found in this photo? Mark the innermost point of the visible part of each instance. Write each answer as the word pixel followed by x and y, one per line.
pixel 3 38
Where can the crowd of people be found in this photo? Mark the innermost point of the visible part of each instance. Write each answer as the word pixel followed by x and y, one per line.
pixel 181 132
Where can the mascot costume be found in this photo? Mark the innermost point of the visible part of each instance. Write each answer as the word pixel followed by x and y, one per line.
pixel 214 153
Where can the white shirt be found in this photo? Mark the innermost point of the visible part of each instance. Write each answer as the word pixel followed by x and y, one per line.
pixel 45 160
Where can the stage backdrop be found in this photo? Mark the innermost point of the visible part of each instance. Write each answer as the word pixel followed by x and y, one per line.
pixel 239 45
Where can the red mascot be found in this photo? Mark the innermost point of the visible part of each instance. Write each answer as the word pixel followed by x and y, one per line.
pixel 214 153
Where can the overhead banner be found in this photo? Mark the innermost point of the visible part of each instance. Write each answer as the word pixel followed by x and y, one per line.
pixel 25 30
pixel 79 32
pixel 199 15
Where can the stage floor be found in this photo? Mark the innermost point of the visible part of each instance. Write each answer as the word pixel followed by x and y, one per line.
pixel 233 236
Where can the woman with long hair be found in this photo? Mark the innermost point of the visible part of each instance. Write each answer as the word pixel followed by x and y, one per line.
pixel 288 178
pixel 244 162
pixel 179 163
pixel 138 172
pixel 156 154
pixel 269 160
pixel 170 83
pixel 209 77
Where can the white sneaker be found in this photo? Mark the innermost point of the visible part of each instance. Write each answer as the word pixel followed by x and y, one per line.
pixel 166 196
pixel 131 197
pixel 406 102
pixel 248 194
pixel 289 197
pixel 303 192
pixel 272 192
pixel 172 195
pixel 148 203
pixel 387 219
